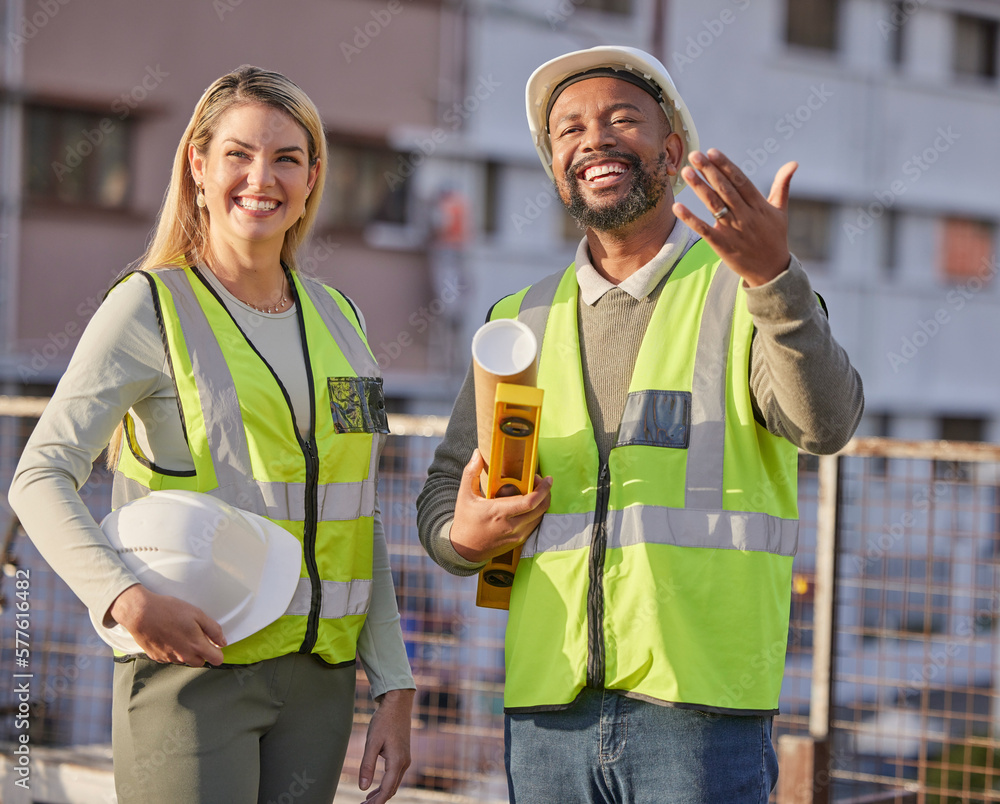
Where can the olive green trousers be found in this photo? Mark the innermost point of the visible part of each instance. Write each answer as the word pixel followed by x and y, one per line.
pixel 272 732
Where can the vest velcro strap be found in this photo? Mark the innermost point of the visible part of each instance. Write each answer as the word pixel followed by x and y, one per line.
pixel 337 501
pixel 340 598
pixel 656 419
pixel 721 530
pixel 560 532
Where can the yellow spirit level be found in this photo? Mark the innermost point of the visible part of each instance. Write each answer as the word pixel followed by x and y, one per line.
pixel 513 457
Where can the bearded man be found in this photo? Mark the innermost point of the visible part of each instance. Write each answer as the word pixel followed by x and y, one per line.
pixel 684 363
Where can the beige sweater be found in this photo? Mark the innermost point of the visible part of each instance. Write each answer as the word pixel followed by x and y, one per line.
pixel 801 381
pixel 120 364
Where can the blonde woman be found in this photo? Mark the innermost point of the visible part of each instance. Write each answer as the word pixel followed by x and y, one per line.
pixel 213 366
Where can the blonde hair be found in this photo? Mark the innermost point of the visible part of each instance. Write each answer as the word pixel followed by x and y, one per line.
pixel 181 230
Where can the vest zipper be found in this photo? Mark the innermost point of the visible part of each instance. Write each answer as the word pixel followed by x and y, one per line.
pixel 309 450
pixel 595 593
pixel 311 453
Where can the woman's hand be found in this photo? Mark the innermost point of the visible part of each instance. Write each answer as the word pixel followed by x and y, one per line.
pixel 388 737
pixel 168 629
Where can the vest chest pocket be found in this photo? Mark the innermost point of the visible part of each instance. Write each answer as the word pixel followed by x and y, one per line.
pixel 357 404
pixel 656 419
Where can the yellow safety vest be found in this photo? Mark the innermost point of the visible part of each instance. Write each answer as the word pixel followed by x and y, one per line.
pixel 665 573
pixel 247 450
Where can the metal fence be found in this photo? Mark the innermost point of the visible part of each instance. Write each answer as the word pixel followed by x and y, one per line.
pixel 890 689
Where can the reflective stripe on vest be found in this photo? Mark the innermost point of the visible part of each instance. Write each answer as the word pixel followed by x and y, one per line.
pixel 692 584
pixel 272 476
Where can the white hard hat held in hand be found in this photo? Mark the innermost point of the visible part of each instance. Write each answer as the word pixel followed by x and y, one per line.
pixel 241 569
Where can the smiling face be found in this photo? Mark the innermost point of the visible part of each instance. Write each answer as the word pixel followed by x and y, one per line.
pixel 612 153
pixel 255 175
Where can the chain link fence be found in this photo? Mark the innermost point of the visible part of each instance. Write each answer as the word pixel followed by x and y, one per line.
pixel 892 660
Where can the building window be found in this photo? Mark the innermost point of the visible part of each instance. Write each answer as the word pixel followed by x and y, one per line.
pixel 812 23
pixel 894 32
pixel 76 157
pixel 890 241
pixel 491 196
pixel 975 51
pixel 967 249
pixel 880 425
pixel 895 590
pixel 955 428
pixel 809 229
pixel 614 6
pixel 367 183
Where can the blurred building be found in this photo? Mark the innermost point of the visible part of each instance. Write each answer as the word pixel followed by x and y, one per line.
pixel 436 206
pixel 95 98
pixel 890 108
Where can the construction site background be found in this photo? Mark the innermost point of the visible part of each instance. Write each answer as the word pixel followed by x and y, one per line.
pixel 893 654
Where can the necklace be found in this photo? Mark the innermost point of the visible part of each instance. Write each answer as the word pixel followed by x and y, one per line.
pixel 270 309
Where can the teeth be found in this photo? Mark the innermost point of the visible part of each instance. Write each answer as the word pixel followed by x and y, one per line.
pixel 602 170
pixel 252 203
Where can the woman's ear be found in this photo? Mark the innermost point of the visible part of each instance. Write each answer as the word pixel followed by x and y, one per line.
pixel 197 163
pixel 313 174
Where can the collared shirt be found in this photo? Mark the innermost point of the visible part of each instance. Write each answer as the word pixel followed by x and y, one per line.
pixel 640 284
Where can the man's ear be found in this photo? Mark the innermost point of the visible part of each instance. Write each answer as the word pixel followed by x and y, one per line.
pixel 673 146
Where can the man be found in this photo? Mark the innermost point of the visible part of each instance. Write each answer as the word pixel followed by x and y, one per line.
pixel 649 613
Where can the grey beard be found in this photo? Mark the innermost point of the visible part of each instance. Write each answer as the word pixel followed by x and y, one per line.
pixel 645 193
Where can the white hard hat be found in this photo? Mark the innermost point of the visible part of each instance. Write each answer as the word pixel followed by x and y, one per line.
pixel 239 568
pixel 640 64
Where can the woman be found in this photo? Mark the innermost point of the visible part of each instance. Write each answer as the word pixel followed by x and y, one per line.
pixel 216 368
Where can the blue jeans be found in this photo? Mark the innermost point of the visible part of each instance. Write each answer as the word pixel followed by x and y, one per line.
pixel 609 749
